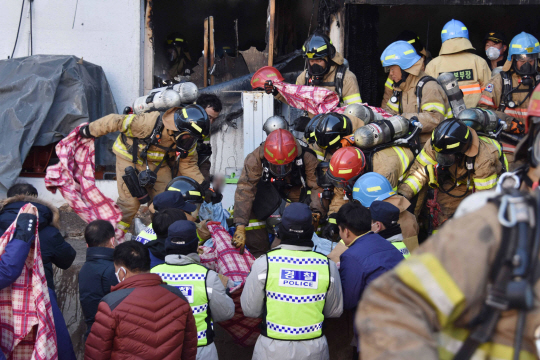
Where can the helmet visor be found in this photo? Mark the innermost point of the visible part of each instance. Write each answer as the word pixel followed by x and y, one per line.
pixel 280 171
pixel 445 160
pixel 340 183
pixel 185 141
pixel 526 64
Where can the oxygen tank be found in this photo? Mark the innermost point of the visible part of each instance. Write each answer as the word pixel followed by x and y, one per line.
pixel 188 91
pixel 455 96
pixel 362 112
pixel 380 132
pixel 160 101
pixel 481 120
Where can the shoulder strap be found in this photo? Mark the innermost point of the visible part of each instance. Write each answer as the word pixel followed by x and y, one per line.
pixel 506 94
pixel 419 86
pixel 306 82
pixel 338 81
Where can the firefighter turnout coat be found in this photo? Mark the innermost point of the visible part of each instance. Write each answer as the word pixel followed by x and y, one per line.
pixel 421 308
pixel 434 104
pixel 141 127
pixel 471 71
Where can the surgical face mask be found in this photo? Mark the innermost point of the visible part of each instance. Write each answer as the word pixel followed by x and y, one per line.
pixel 493 53
pixel 116 273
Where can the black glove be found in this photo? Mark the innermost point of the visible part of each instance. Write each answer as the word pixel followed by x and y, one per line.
pixel 204 150
pixel 85 132
pixel 212 196
pixel 269 88
pixel 516 127
pixel 330 231
pixel 25 229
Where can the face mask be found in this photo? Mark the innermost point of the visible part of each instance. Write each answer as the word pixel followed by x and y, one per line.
pixel 527 69
pixel 116 273
pixel 493 53
pixel 316 69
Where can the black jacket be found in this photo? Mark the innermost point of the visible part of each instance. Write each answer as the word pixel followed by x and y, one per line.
pixel 95 280
pixel 54 249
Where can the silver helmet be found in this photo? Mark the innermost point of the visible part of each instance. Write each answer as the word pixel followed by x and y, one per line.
pixel 275 122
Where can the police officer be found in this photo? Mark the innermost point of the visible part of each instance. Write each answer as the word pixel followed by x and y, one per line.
pixel 384 221
pixel 325 68
pixel 496 49
pixel 157 145
pixel 201 287
pixel 509 92
pixel 414 40
pixel 279 170
pixel 294 289
pixel 455 163
pixel 454 286
pixel 471 71
pixel 410 82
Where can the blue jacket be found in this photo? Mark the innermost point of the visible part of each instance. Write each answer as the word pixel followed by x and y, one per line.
pixel 54 249
pixel 368 257
pixel 12 261
pixel 95 280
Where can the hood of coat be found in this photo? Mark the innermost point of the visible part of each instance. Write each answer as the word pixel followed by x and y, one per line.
pixel 188 259
pixel 416 68
pixel 399 201
pixel 338 58
pixel 455 45
pixel 9 208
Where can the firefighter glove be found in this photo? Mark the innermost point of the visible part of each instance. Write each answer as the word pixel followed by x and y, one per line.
pixel 85 132
pixel 239 238
pixel 316 218
pixel 433 183
pixel 516 127
pixel 204 150
pixel 269 88
pixel 331 231
pixel 212 196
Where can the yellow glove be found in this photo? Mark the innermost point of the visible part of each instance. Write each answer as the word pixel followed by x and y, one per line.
pixel 432 177
pixel 239 238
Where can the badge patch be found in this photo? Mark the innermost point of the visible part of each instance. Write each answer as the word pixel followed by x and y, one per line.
pixel 299 278
pixel 463 75
pixel 187 291
pixel 489 87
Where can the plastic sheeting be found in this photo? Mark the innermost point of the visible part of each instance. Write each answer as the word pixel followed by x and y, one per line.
pixel 43 98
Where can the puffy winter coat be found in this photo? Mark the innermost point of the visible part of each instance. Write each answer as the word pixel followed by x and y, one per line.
pixel 472 71
pixel 54 249
pixel 252 174
pixel 143 318
pixel 141 127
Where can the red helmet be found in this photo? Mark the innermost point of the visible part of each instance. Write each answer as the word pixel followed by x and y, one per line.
pixel 280 150
pixel 263 75
pixel 346 166
pixel 529 147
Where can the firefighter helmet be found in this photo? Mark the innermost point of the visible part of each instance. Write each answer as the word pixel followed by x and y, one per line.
pixel 372 187
pixel 330 129
pixel 318 46
pixel 399 53
pixel 188 124
pixel 454 29
pixel 309 131
pixel 451 140
pixel 275 122
pixel 280 150
pixel 346 165
pixel 263 75
pixel 191 190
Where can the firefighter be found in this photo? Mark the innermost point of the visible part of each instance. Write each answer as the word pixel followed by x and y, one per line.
pixel 159 146
pixel 471 71
pixel 275 122
pixel 212 105
pixel 453 298
pixel 405 67
pixel 414 40
pixel 454 162
pixel 293 289
pixel 508 93
pixel 279 169
pixel 325 68
pixel 180 63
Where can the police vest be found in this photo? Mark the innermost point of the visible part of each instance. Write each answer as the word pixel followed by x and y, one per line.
pixel 296 287
pixel 402 248
pixel 147 235
pixel 191 280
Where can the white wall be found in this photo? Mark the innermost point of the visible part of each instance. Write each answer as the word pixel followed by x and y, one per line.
pixel 104 32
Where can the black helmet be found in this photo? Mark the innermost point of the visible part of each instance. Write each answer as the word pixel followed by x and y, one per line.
pixel 451 139
pixel 193 119
pixel 318 47
pixel 309 131
pixel 191 190
pixel 331 128
pixel 177 39
pixel 411 38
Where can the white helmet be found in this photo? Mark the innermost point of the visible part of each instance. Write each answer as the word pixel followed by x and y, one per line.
pixel 275 122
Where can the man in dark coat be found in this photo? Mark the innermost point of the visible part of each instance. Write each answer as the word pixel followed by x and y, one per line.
pixel 97 274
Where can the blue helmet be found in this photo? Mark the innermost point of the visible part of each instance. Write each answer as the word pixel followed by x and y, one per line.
pixel 523 43
pixel 454 29
pixel 399 53
pixel 370 187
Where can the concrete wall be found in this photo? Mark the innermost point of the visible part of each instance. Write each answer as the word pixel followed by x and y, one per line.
pixel 106 33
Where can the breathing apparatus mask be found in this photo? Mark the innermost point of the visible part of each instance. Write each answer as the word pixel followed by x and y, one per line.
pixel 317 72
pixel 323 181
pixel 493 53
pixel 529 68
pixel 280 171
pixel 447 160
pixel 185 141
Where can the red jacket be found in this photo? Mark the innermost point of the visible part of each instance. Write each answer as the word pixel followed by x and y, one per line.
pixel 143 318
